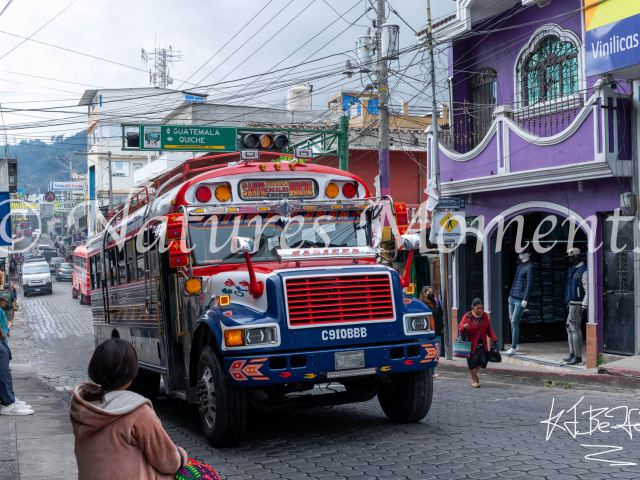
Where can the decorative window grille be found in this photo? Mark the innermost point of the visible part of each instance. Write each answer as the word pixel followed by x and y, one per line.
pixel 484 98
pixel 550 72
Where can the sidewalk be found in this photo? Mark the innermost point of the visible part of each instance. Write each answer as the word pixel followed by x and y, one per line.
pixel 621 376
pixel 38 446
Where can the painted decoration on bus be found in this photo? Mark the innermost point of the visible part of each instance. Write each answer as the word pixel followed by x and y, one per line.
pixel 277 189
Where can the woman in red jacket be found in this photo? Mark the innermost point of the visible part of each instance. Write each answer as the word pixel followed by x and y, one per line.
pixel 476 325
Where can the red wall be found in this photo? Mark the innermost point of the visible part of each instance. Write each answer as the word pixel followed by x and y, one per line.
pixel 404 169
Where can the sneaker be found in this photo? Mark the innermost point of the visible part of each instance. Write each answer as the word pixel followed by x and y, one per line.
pixel 15 409
pixel 21 403
pixel 511 351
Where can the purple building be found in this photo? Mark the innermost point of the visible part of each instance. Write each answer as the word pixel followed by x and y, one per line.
pixel 531 138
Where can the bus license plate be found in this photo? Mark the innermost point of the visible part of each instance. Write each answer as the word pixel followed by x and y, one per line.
pixel 347 360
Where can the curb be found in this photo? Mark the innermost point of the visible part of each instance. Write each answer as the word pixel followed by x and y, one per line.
pixel 579 381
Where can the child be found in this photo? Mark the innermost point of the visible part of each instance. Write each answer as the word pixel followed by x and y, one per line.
pixel 118 435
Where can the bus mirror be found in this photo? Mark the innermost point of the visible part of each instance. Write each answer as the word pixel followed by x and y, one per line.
pixel 242 245
pixel 410 241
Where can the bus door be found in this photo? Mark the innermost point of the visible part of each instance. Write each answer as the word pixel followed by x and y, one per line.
pixel 169 308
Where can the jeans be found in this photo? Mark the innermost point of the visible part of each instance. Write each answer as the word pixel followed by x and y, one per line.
pixel 574 330
pixel 6 382
pixel 515 312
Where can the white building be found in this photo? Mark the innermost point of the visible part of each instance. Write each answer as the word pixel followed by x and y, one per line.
pixel 107 109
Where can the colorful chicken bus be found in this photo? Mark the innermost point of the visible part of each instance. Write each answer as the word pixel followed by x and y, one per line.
pixel 252 284
pixel 81 283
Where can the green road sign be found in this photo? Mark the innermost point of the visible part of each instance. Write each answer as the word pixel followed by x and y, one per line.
pixel 188 137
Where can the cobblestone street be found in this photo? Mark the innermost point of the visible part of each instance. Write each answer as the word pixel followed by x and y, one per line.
pixel 492 432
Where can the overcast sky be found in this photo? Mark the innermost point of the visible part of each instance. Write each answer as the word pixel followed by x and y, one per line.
pixel 116 30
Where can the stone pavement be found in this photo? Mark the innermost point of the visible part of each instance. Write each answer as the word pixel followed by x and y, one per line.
pixel 492 432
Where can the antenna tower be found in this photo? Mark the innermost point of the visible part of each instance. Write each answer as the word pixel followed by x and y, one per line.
pixel 160 58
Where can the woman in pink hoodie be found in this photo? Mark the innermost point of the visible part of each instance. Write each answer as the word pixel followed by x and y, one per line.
pixel 118 435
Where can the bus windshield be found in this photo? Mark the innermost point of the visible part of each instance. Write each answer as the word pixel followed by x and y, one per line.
pixel 211 236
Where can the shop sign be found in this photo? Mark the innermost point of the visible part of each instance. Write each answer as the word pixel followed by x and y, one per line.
pixel 448 227
pixel 612 40
pixel 66 187
pixel 277 189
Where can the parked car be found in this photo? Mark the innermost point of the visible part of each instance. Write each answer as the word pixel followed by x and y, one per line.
pixel 54 262
pixel 65 272
pixel 36 278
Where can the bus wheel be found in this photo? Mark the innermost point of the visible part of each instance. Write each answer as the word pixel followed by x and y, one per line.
pixel 223 407
pixel 407 398
pixel 146 384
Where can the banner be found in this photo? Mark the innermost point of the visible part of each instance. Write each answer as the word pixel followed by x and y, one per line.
pixel 68 207
pixel 277 189
pixel 25 208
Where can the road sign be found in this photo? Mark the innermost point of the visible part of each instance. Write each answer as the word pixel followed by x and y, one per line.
pixel 445 203
pixel 304 153
pixel 49 197
pixel 188 137
pixel 448 227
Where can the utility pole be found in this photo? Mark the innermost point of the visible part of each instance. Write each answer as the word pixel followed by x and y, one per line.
pixel 444 258
pixel 383 108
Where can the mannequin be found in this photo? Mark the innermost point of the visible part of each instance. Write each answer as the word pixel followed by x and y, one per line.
pixel 577 299
pixel 519 297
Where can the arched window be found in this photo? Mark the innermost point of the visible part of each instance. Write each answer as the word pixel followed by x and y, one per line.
pixel 484 98
pixel 550 72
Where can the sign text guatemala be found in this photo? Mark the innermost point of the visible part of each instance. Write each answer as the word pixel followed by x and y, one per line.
pixel 188 137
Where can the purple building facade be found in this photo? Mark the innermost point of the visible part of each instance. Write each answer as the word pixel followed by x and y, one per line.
pixel 530 136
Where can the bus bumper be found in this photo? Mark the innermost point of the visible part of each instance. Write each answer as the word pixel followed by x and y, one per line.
pixel 320 367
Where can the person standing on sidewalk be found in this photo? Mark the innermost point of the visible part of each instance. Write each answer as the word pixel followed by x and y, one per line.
pixel 428 296
pixel 477 327
pixel 577 299
pixel 117 433
pixel 9 404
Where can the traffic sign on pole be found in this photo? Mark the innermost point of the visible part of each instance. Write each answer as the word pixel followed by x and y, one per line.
pixel 188 137
pixel 448 203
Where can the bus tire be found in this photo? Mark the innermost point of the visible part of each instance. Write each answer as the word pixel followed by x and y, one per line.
pixel 407 398
pixel 222 406
pixel 146 384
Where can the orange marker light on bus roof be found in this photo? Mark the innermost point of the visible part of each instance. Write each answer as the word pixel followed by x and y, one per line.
pixel 262 167
pixel 332 190
pixel 277 166
pixel 223 193
pixel 234 338
pixel 292 166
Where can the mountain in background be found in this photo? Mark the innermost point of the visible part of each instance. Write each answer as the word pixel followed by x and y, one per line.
pixel 36 170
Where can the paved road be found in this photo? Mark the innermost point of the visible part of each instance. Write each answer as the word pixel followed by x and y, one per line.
pixel 492 432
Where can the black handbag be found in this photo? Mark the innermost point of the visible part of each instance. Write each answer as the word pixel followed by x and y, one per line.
pixel 494 354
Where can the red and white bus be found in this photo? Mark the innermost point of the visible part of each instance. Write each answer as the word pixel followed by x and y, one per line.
pixel 81 283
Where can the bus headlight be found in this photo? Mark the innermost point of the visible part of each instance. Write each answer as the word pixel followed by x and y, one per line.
pixel 240 337
pixel 256 336
pixel 419 323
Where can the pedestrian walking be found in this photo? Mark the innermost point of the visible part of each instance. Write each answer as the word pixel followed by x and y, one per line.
pixel 477 327
pixel 117 433
pixel 428 296
pixel 4 323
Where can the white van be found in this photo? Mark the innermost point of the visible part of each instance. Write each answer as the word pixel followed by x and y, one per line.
pixel 36 278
